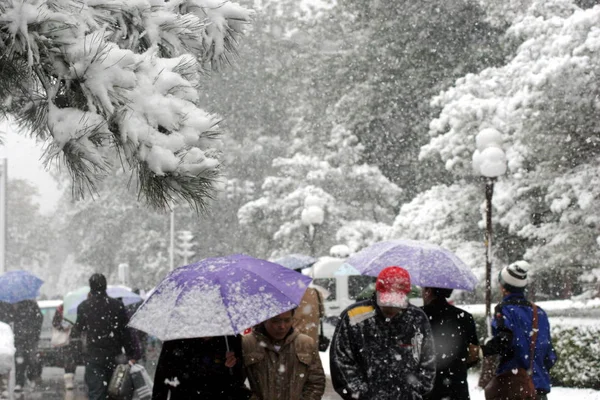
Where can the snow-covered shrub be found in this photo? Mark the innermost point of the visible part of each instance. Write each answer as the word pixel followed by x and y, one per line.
pixel 578 356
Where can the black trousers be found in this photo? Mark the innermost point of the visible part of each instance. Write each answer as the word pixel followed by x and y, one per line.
pixel 25 364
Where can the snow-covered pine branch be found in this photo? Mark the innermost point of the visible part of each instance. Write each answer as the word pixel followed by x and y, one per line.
pixel 100 79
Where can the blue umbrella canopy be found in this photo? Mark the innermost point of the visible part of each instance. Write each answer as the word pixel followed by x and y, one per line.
pixel 16 286
pixel 296 261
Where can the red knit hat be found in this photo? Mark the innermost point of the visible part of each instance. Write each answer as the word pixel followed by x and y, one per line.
pixel 393 285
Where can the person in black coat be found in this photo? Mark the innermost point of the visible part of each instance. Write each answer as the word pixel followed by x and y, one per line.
pixel 382 348
pixel 454 333
pixel 103 321
pixel 200 369
pixel 26 319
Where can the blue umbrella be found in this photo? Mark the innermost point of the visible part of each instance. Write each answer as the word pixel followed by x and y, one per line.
pixel 429 265
pixel 347 270
pixel 16 286
pixel 296 261
pixel 219 296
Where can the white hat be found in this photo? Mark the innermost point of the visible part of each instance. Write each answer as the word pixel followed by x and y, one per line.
pixel 514 277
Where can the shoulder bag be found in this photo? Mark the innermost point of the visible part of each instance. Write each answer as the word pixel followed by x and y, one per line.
pixel 60 337
pixel 516 384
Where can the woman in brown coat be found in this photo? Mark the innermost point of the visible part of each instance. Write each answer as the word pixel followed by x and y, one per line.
pixel 309 313
pixel 281 363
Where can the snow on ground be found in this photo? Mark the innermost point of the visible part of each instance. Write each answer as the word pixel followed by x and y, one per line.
pixel 552 305
pixel 558 393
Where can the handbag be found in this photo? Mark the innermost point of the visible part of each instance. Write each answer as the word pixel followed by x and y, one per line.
pixel 323 340
pixel 142 383
pixel 516 384
pixel 121 385
pixel 60 337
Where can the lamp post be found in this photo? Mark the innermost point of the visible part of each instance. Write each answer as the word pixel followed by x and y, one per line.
pixel 312 216
pixel 3 203
pixel 489 161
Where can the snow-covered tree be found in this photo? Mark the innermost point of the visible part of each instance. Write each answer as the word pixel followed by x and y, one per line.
pixel 99 78
pixel 357 200
pixel 394 57
pixel 544 102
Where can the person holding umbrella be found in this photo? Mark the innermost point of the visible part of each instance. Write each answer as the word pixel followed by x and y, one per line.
pixel 27 321
pixel 383 347
pixel 281 362
pixel 201 368
pixel 456 344
pixel 198 311
pixel 20 289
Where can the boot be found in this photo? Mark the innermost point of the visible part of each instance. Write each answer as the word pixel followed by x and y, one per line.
pixel 69 381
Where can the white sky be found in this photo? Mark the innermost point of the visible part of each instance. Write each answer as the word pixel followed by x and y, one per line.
pixel 24 162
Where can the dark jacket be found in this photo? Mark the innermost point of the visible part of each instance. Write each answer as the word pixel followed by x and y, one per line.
pixel 511 327
pixel 26 319
pixel 374 358
pixel 195 369
pixel 103 323
pixel 453 330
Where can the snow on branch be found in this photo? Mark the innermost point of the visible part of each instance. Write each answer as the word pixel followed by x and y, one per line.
pixel 112 77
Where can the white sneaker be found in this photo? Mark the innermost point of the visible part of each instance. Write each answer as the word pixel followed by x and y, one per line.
pixel 18 389
pixel 69 381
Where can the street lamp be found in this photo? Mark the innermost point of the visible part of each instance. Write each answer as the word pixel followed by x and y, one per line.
pixel 312 216
pixel 489 161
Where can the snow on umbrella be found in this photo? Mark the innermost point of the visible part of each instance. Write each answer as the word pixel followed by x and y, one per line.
pixel 296 261
pixel 219 296
pixel 73 299
pixel 429 265
pixel 16 286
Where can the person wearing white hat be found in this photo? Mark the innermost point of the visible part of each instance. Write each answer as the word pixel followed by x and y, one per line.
pixel 516 337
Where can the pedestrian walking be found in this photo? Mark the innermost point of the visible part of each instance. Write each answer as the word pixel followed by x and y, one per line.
pixel 139 338
pixel 382 348
pixel 68 352
pixel 454 333
pixel 204 368
pixel 281 363
pixel 521 337
pixel 26 319
pixel 103 322
pixel 307 316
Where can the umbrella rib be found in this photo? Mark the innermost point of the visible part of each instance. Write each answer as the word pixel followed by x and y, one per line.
pixel 234 329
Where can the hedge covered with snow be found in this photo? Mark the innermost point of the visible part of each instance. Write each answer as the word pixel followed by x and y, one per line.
pixel 578 352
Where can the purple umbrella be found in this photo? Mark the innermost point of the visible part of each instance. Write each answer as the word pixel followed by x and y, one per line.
pixel 429 265
pixel 219 296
